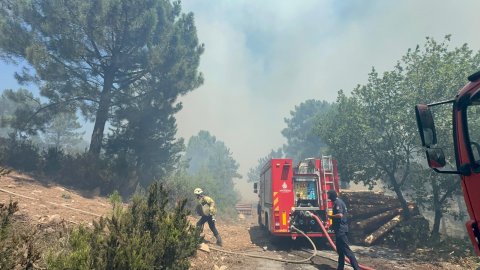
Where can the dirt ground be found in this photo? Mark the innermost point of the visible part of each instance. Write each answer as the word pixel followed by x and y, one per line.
pixel 43 202
pixel 245 236
pixel 40 202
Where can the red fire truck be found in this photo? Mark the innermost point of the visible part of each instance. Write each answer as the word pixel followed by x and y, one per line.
pixel 466 137
pixel 286 193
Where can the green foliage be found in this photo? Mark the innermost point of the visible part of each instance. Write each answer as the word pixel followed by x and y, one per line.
pixel 343 143
pixel 435 72
pixel 25 117
pixel 447 247
pixel 302 141
pixel 118 62
pixel 413 236
pixel 61 132
pixel 21 115
pixel 148 140
pixel 79 251
pixel 85 172
pixel 181 185
pixel 225 197
pixel 78 170
pixel 7 109
pixel 115 198
pixel 375 134
pixel 205 151
pixel 99 56
pixel 7 247
pixel 17 248
pixel 147 235
pixel 20 154
pixel 212 167
pixel 6 214
pixel 52 161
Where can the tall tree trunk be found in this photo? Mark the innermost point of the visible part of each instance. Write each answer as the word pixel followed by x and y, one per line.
pixel 436 224
pixel 101 116
pixel 401 198
pixel 437 208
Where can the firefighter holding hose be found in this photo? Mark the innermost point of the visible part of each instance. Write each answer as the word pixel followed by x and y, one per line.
pixel 207 210
pixel 340 226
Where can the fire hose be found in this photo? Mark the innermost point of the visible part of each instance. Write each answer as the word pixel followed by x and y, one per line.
pixel 276 259
pixel 308 213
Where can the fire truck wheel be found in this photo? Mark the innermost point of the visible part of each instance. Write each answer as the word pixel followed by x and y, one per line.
pixel 266 223
pixel 260 220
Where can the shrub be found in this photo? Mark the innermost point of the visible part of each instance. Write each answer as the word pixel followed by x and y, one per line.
pixel 85 172
pixel 448 247
pixel 7 250
pixel 17 247
pixel 22 155
pixel 182 185
pixel 52 161
pixel 414 233
pixel 146 235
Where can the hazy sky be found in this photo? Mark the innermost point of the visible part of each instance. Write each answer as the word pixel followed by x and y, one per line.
pixel 264 57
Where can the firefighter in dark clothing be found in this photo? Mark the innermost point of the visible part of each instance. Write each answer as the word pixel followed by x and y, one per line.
pixel 340 226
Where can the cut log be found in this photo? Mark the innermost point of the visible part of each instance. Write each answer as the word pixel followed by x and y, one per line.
pixel 371 199
pixel 361 194
pixel 382 230
pixel 367 198
pixel 377 220
pixel 369 211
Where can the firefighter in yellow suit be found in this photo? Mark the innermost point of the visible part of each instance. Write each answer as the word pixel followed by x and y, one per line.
pixel 207 212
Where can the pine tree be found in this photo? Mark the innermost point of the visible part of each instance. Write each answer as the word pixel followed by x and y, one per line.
pixel 62 132
pixel 94 53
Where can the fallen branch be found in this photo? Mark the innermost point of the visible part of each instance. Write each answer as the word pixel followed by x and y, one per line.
pixel 382 230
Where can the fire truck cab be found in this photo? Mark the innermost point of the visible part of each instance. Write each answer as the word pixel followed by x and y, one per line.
pixel 286 192
pixel 466 138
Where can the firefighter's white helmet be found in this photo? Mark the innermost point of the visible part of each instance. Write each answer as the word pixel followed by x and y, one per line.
pixel 198 191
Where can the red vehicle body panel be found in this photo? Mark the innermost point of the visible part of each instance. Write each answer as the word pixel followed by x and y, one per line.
pixel 285 190
pixel 471 182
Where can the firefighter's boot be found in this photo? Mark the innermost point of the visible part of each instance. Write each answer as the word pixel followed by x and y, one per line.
pixel 219 240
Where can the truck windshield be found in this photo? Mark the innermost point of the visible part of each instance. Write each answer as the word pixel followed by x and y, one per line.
pixel 473 123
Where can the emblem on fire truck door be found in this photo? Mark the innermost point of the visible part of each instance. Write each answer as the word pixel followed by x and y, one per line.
pixel 285 188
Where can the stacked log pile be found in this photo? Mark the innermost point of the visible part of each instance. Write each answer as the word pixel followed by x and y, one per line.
pixel 372 215
pixel 244 209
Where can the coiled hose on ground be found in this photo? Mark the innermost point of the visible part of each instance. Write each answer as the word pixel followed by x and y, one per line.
pixel 276 259
pixel 298 261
